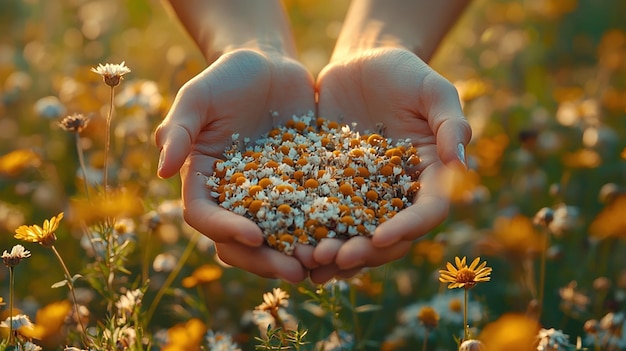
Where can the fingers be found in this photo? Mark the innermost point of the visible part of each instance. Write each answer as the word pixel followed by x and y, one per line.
pixel 429 209
pixel 358 252
pixel 263 261
pixel 326 250
pixel 206 216
pixel 439 101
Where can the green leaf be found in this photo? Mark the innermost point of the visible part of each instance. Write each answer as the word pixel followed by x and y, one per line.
pixel 59 284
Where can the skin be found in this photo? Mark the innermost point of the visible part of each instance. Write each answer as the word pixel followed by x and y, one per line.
pixel 375 75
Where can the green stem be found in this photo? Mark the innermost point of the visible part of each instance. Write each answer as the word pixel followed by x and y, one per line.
pixel 70 285
pixel 425 343
pixel 170 278
pixel 81 161
pixel 542 272
pixel 11 283
pixel 465 329
pixel 146 257
pixel 107 142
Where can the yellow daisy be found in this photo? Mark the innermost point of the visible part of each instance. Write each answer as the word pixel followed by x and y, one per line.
pixel 463 276
pixel 36 234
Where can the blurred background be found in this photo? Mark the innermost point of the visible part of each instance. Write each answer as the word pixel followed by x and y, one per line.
pixel 543 83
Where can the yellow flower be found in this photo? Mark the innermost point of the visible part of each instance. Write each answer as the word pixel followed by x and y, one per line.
pixel 49 321
pixel 36 234
pixel 14 162
pixel 511 332
pixel 204 274
pixel 429 317
pixel 463 276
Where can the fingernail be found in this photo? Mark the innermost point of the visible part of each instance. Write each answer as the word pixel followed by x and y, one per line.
pixel 460 153
pixel 161 160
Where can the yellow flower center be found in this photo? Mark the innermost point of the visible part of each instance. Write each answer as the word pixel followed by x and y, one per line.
pixel 465 275
pixel 429 317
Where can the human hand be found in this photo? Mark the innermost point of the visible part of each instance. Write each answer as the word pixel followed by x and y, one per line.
pixel 394 87
pixel 235 94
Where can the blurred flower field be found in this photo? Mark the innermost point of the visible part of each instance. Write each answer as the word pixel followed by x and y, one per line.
pixel 543 83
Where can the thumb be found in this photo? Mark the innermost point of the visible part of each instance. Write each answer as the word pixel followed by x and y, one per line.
pixel 446 119
pixel 178 131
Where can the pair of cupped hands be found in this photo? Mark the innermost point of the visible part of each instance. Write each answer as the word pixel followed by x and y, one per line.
pixel 236 93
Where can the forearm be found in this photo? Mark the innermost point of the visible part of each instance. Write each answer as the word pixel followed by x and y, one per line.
pixel 416 25
pixel 220 26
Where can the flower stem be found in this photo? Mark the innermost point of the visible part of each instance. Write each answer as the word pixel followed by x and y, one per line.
pixel 11 283
pixel 70 285
pixel 81 161
pixel 146 257
pixel 170 278
pixel 425 343
pixel 542 272
pixel 107 142
pixel 465 327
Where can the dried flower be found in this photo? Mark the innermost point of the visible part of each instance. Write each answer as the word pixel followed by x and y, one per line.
pixel 111 73
pixel 463 276
pixel 13 258
pixel 36 234
pixel 74 123
pixel 312 179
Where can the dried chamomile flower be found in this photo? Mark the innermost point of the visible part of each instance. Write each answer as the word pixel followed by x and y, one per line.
pixel 313 178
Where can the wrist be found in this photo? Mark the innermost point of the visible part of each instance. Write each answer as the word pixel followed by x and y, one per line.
pixel 415 25
pixel 222 26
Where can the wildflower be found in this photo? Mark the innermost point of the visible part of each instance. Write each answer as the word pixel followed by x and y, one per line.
pixel 16 161
pixel 552 340
pixel 74 123
pixel 336 341
pixel 204 274
pixel 511 332
pixel 16 322
pixel 29 346
pixel 164 262
pixel 36 234
pixel 220 342
pixel 544 217
pixel 463 276
pixel 49 107
pixel 272 301
pixel 428 317
pixel 472 345
pixel 49 321
pixel 111 73
pixel 270 313
pixel 573 301
pixel 187 336
pixel 17 254
pixel 127 302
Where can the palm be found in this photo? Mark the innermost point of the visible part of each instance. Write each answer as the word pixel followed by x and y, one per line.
pixel 397 89
pixel 236 94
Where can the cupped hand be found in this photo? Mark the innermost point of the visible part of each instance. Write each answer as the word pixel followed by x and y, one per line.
pixel 394 87
pixel 241 92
